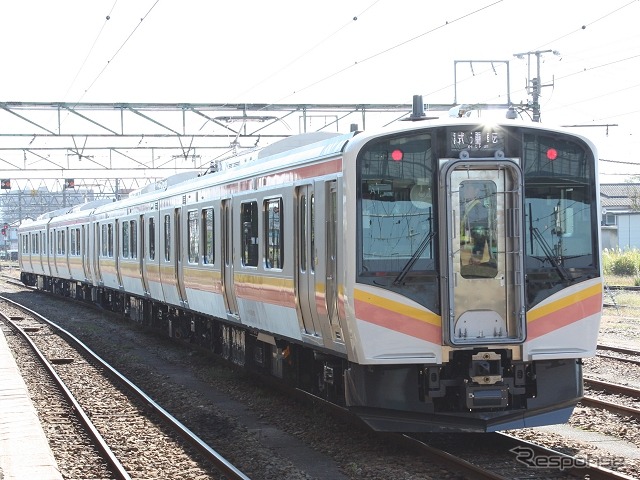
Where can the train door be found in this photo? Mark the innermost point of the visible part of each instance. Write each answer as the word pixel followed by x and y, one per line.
pixel 97 245
pixel 84 253
pixel 28 249
pixel 331 260
pixel 141 254
pixel 307 257
pixel 227 260
pixel 484 235
pixel 178 254
pixel 49 252
pixel 38 258
pixel 154 261
pixel 66 239
pixel 41 252
pixel 167 250
pixel 53 252
pixel 117 250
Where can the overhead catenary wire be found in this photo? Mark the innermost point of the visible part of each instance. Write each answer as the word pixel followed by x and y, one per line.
pixel 583 70
pixel 119 49
pixel 107 19
pixel 93 45
pixel 584 27
pixel 360 62
pixel 309 50
pixel 387 50
pixel 302 55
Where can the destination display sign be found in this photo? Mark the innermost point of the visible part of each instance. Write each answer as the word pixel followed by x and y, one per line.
pixel 476 140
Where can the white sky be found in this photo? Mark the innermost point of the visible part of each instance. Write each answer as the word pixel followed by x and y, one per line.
pixel 286 51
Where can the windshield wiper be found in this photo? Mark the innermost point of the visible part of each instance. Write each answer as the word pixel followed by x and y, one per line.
pixel 535 233
pixel 414 258
pixel 549 254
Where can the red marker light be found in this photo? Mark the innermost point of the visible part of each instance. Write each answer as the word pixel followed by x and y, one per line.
pixel 397 155
pixel 552 154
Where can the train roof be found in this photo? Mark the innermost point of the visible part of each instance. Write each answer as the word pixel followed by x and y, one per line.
pixel 296 149
pixel 242 167
pixel 403 126
pixel 166 183
pixel 302 142
pixel 285 145
pixel 73 211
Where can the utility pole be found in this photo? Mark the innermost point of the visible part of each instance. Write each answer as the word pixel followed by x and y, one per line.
pixel 534 85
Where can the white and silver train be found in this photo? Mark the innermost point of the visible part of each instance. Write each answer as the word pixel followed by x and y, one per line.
pixel 434 276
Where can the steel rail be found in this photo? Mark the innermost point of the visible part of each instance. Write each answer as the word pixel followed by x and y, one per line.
pixel 210 454
pixel 613 388
pixel 582 469
pixel 114 464
pixel 623 350
pixel 614 408
pixel 618 359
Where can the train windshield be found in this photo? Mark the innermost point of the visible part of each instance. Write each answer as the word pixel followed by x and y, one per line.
pixel 396 211
pixel 560 214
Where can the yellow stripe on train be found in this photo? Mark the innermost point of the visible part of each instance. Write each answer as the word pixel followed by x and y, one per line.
pixel 401 308
pixel 542 311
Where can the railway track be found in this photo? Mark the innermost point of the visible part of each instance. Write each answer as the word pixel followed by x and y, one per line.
pixel 132 434
pixel 610 396
pixel 615 406
pixel 503 456
pixel 500 462
pixel 490 456
pixel 437 456
pixel 620 354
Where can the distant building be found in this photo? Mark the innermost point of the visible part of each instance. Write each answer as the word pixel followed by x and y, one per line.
pixel 620 220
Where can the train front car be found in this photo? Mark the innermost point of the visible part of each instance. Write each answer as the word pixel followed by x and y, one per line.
pixel 477 286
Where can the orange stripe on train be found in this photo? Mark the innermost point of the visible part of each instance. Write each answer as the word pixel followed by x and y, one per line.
pixel 563 312
pixel 273 290
pixel 400 318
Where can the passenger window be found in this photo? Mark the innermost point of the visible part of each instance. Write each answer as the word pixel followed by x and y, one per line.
pixel 110 240
pixel 478 224
pixel 73 239
pixel 152 239
pixel 167 238
pixel 193 233
pixel 103 240
pixel 133 239
pixel 208 240
pixel 249 234
pixel 125 240
pixel 274 248
pixel 61 238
